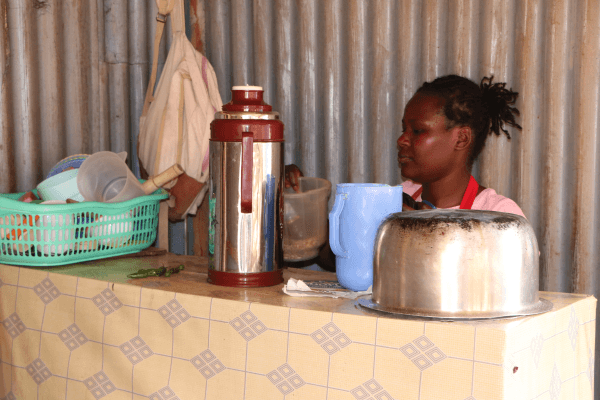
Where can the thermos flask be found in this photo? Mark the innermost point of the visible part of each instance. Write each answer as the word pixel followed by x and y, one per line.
pixel 245 192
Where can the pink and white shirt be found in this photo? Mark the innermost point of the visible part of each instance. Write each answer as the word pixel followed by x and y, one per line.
pixel 488 200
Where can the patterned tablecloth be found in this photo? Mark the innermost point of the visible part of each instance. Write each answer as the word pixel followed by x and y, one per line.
pixel 67 336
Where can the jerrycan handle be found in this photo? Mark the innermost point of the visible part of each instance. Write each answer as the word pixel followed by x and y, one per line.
pixel 334 226
pixel 247 167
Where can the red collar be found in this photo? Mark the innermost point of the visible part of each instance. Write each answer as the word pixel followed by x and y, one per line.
pixel 468 198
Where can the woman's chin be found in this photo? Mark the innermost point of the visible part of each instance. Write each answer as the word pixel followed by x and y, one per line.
pixel 406 172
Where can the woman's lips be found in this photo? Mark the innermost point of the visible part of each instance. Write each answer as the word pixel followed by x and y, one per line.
pixel 403 159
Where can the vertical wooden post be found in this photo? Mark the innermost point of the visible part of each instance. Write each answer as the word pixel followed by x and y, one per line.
pixel 163 226
pixel 200 226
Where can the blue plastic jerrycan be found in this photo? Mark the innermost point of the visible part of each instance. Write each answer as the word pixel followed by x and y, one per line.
pixel 358 211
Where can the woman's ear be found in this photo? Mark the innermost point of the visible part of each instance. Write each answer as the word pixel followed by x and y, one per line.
pixel 464 138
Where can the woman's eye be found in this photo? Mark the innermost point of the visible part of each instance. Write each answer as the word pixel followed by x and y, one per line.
pixel 417 131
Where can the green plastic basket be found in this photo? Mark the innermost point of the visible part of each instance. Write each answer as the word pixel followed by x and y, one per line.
pixel 40 235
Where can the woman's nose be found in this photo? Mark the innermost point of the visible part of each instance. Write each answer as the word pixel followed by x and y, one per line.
pixel 403 140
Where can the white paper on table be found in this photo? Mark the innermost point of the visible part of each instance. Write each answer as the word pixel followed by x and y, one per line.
pixel 298 288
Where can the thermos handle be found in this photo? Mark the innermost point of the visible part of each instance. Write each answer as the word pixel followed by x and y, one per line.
pixel 247 166
pixel 334 226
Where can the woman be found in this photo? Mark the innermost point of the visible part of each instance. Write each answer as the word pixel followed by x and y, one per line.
pixel 444 129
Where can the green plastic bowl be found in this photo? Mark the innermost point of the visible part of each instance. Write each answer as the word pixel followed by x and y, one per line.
pixel 61 186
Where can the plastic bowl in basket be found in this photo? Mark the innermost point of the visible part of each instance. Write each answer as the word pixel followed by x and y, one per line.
pixel 61 186
pixel 305 219
pixel 73 161
pixel 53 233
pixel 47 234
pixel 113 226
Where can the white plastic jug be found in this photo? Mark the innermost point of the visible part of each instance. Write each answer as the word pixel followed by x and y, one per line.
pixel 105 177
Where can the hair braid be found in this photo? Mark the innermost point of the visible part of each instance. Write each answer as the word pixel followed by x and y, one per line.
pixel 499 101
pixel 484 108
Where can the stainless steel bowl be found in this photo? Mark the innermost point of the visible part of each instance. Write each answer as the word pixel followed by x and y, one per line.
pixel 456 264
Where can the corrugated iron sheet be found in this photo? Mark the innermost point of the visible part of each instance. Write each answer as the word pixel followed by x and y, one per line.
pixel 74 75
pixel 341 71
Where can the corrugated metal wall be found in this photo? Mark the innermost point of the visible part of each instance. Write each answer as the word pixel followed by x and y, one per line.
pixel 74 74
pixel 341 71
pixel 74 77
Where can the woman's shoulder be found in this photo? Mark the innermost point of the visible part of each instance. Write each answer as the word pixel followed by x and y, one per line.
pixel 489 200
pixel 409 187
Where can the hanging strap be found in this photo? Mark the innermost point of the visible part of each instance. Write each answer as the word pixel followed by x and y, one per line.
pixel 416 194
pixel 165 7
pixel 180 113
pixel 468 198
pixel 470 194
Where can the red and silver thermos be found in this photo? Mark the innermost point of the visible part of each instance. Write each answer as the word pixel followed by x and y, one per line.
pixel 245 192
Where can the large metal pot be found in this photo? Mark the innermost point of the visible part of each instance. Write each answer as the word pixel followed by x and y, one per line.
pixel 456 264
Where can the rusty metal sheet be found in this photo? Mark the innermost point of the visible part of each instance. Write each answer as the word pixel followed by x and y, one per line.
pixel 341 98
pixel 339 72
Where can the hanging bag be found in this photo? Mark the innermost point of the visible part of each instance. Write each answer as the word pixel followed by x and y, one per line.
pixel 175 121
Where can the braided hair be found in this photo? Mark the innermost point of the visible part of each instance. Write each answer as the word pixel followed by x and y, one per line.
pixel 484 108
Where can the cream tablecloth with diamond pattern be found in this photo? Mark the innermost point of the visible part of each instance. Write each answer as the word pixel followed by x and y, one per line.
pixel 66 337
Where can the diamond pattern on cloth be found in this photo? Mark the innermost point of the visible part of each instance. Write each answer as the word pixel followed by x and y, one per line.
pixel 72 337
pixel 330 347
pixel 248 325
pixel 537 344
pixel 165 393
pixel 370 390
pixel 46 291
pixel 207 364
pixel 174 313
pixel 285 379
pixel 319 336
pixel 99 385
pixel 422 362
pixel 107 302
pixel 423 343
pixel 409 350
pixel 423 352
pixel 80 330
pixel 331 338
pixel 136 350
pixel 573 328
pixel 13 325
pixel 38 371
pixel 555 384
pixel 331 329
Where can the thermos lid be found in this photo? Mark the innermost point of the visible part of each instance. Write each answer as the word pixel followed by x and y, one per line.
pixel 246 113
pixel 247 103
pixel 247 87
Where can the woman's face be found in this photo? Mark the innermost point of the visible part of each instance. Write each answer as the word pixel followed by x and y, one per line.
pixel 426 147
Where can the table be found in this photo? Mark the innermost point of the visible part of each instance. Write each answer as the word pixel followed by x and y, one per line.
pixel 87 332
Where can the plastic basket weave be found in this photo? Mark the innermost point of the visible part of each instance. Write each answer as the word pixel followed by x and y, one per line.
pixel 40 235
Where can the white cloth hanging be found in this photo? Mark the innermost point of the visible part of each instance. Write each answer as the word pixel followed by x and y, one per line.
pixel 175 122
